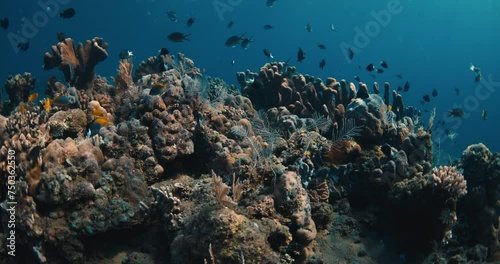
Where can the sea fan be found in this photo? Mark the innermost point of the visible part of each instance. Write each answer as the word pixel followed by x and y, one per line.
pixel 348 131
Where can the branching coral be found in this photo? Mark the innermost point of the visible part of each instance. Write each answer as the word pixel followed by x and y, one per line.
pixel 449 180
pixel 77 63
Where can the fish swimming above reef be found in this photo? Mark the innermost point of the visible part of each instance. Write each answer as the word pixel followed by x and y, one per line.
pixel 230 24
pixel 125 54
pixel 163 51
pixel 268 27
pixel 67 13
pixel 321 46
pixel 309 27
pixel 270 3
pixel 370 67
pixel 232 41
pixel 333 28
pixel 384 64
pixel 32 97
pixel 60 100
pixel 457 90
pixel 301 55
pixel 434 92
pixel 190 22
pixel 246 42
pixel 407 86
pixel 350 53
pixel 171 15
pixel 268 54
pixel 357 78
pixel 24 46
pixel 456 112
pixel 4 23
pixel 427 98
pixel 322 64
pixel 399 75
pixel 400 88
pixel 477 71
pixel 61 37
pixel 478 78
pixel 178 37
pixel 380 71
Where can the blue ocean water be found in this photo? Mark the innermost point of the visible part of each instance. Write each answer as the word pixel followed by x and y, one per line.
pixel 431 43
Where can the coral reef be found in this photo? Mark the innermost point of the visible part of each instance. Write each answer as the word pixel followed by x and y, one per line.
pixel 169 166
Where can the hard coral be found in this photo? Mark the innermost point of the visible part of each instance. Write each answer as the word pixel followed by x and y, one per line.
pixel 77 63
pixel 449 180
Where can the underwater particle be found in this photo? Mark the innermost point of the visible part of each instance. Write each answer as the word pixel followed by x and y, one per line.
pixel 427 98
pixel 268 54
pixel 233 62
pixel 434 92
pixel 370 67
pixel 246 42
pixel 309 27
pixel 190 21
pixel 178 37
pixel 4 23
pixel 301 55
pixel 350 53
pixel 268 27
pixel 384 64
pixel 230 24
pixel 399 75
pixel 406 86
pixel 322 64
pixel 171 15
pixel 321 46
pixel 333 28
pixel 483 114
pixel 232 41
pixel 67 13
pixel 456 112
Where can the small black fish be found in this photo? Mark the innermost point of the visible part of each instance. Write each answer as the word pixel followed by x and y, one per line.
pixel 230 24
pixel 380 71
pixel 350 53
pixel 268 54
pixel 164 51
pixel 322 46
pixel 407 86
pixel 399 75
pixel 190 21
pixel 374 76
pixel 246 42
pixel 322 64
pixel 68 13
pixel 234 40
pixel 357 78
pixel 268 27
pixel 478 77
pixel 61 37
pixel 24 46
pixel 4 23
pixel 300 55
pixel 457 91
pixel 434 92
pixel 384 64
pixel 309 28
pixel 370 67
pixel 400 88
pixel 426 98
pixel 270 3
pixel 484 114
pixel 125 54
pixel 178 37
